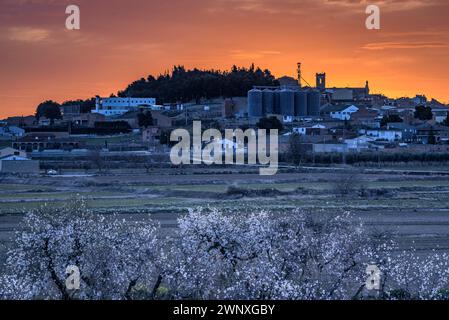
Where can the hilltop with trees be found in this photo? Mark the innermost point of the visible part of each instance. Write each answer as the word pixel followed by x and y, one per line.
pixel 183 85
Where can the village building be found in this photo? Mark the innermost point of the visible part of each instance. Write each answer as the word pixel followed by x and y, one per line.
pixel 359 143
pixel 21 122
pixel 340 112
pixel 408 131
pixel 432 134
pixel 11 131
pixel 19 165
pixel 311 129
pixel 366 117
pixel 117 106
pixel 159 119
pixel 383 134
pixel 84 119
pixel 151 135
pixel 6 152
pixel 40 142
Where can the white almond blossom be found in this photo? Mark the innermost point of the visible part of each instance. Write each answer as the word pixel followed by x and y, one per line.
pixel 114 257
pixel 213 255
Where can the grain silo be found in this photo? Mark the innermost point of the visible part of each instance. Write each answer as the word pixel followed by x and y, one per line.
pixel 277 102
pixel 287 99
pixel 300 103
pixel 268 101
pixel 313 103
pixel 255 103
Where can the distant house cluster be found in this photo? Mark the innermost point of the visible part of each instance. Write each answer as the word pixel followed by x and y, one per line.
pixel 327 120
pixel 351 119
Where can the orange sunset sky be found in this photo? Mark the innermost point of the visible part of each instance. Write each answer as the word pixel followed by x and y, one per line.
pixel 121 41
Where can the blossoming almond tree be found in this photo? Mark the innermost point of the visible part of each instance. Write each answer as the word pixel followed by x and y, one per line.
pixel 416 276
pixel 114 257
pixel 260 256
pixel 213 255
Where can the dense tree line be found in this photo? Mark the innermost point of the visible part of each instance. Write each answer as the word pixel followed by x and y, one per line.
pixel 183 85
pixel 357 158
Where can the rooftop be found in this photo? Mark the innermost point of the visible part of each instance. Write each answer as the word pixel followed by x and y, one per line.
pixel 336 108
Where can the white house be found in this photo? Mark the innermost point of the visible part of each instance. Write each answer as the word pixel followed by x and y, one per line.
pixel 382 134
pixel 440 115
pixel 358 143
pixel 340 112
pixel 119 106
pixel 303 130
pixel 409 131
pixel 287 119
pixel 11 131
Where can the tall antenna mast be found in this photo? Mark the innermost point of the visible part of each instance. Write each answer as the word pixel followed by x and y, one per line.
pixel 300 78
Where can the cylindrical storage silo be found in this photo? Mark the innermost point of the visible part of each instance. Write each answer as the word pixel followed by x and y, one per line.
pixel 287 98
pixel 300 103
pixel 255 106
pixel 313 103
pixel 277 102
pixel 268 101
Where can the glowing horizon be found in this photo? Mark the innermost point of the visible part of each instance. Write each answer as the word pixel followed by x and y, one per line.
pixel 120 42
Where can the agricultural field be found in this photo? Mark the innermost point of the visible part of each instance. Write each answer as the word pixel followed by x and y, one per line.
pixel 413 207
